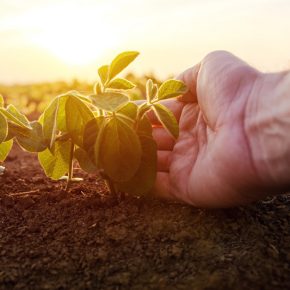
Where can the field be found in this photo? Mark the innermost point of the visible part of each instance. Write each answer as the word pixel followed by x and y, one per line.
pixel 87 239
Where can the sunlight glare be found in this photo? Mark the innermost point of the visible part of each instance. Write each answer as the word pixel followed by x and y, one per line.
pixel 76 39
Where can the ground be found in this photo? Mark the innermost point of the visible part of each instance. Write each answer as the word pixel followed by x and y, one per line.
pixel 88 240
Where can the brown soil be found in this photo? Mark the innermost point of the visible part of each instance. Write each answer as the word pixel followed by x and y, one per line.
pixel 88 240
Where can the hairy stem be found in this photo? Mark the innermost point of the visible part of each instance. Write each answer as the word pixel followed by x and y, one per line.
pixel 109 183
pixel 111 186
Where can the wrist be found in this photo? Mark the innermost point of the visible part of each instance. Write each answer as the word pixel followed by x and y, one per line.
pixel 267 126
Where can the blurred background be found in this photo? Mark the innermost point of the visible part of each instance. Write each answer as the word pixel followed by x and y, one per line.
pixel 59 41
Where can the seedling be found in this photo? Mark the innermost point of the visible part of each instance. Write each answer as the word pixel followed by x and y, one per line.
pixel 14 124
pixel 105 132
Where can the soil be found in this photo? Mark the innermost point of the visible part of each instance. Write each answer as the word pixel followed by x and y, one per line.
pixel 88 240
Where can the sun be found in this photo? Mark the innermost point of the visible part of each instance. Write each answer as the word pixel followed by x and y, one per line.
pixel 76 39
pixel 73 48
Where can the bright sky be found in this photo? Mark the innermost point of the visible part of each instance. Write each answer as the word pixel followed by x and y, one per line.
pixel 59 39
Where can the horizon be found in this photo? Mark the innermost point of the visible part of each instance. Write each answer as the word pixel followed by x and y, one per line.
pixel 44 41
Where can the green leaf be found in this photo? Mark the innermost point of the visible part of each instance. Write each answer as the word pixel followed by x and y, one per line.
pixel 145 177
pixel 57 164
pixel 91 132
pixel 110 101
pixel 144 127
pixel 154 91
pixel 171 89
pixel 84 99
pixel 97 88
pixel 77 115
pixel 120 62
pixel 49 120
pixel 85 161
pixel 40 119
pixel 54 119
pixel 32 140
pixel 3 128
pixel 103 73
pixel 13 115
pixel 150 90
pixel 143 108
pixel 5 148
pixel 120 151
pixel 14 130
pixel 120 84
pixel 78 95
pixel 21 117
pixel 129 110
pixel 167 119
pixel 1 101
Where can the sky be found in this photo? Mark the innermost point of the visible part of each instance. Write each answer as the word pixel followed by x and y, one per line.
pixel 43 40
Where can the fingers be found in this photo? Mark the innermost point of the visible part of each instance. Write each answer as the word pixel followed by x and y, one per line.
pixel 162 186
pixel 163 160
pixel 163 139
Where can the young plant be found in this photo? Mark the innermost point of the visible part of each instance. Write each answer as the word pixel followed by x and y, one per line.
pixel 63 124
pixel 14 125
pixel 5 146
pixel 106 132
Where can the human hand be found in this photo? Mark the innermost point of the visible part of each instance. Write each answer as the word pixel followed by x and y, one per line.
pixel 211 163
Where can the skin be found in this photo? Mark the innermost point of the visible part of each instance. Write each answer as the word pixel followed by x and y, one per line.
pixel 223 156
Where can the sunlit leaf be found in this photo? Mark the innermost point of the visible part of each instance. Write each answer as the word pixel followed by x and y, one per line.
pixel 2 170
pixel 77 116
pixel 154 91
pixel 149 90
pixel 103 73
pixel 54 119
pixel 91 132
pixel 130 110
pixel 171 89
pixel 32 140
pixel 49 121
pixel 144 127
pixel 143 108
pixel 167 119
pixel 5 148
pixel 21 117
pixel 110 101
pixel 120 84
pixel 144 178
pixel 120 62
pixel 97 88
pixel 84 99
pixel 15 130
pixel 120 151
pixel 3 128
pixel 40 119
pixel 57 164
pixel 14 117
pixel 78 95
pixel 85 161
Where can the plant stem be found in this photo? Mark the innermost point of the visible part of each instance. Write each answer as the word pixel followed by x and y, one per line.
pixel 111 186
pixel 70 169
pixel 109 183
